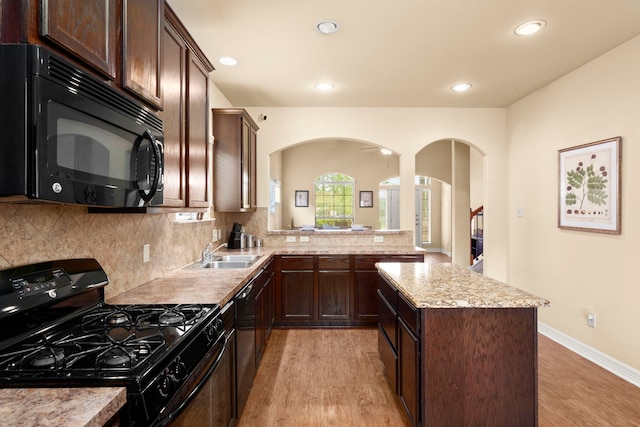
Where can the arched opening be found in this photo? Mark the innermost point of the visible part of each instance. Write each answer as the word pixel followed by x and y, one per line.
pixel 296 168
pixel 459 167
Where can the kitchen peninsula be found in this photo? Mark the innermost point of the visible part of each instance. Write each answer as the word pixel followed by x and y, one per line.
pixel 458 348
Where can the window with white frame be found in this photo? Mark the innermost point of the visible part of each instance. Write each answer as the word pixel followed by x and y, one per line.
pixel 334 201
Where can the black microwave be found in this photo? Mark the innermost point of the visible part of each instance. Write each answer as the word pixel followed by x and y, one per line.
pixel 67 137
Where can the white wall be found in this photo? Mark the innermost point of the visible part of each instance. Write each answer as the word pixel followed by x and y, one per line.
pixel 578 271
pixel 406 131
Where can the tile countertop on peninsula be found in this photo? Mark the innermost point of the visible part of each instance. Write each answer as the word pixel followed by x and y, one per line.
pixel 218 286
pixel 60 407
pixel 446 285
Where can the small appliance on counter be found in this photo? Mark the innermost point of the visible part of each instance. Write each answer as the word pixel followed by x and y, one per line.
pixel 236 239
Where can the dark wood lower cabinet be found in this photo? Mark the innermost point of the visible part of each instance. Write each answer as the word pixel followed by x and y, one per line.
pixel 329 290
pixel 460 366
pixel 296 291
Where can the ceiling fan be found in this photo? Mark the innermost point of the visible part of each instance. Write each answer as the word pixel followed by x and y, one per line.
pixel 381 150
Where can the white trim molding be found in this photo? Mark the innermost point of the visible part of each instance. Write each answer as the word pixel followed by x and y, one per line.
pixel 601 359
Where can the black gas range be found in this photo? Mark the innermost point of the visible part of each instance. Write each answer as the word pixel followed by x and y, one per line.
pixel 57 331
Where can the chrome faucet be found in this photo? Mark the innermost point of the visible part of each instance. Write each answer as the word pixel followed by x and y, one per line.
pixel 207 254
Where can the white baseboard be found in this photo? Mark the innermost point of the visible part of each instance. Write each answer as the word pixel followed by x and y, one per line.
pixel 601 359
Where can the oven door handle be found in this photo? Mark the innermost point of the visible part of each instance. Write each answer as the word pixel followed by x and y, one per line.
pixel 170 417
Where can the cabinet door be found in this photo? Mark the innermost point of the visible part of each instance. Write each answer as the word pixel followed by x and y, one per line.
pixel 234 160
pixel 173 115
pixel 86 28
pixel 333 295
pixel 253 186
pixel 245 162
pixel 297 295
pixel 365 285
pixel 141 40
pixel 197 141
pixel 408 371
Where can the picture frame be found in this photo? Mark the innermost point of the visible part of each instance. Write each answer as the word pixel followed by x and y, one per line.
pixel 590 187
pixel 366 199
pixel 302 198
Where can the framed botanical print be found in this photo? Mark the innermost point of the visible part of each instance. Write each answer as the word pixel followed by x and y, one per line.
pixel 589 192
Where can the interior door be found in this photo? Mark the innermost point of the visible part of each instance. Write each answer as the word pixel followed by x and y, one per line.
pixel 394 209
pixel 418 204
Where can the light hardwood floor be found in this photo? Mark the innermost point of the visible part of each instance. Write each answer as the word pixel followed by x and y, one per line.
pixel 333 377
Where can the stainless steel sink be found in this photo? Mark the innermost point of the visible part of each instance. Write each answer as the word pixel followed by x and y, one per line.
pixel 239 258
pixel 226 262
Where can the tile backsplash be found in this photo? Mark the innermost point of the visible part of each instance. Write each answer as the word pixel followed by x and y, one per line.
pixel 31 233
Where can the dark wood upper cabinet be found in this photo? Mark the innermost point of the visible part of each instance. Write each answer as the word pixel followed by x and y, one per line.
pixel 184 86
pixel 141 41
pixel 197 140
pixel 173 115
pixel 117 40
pixel 86 28
pixel 234 160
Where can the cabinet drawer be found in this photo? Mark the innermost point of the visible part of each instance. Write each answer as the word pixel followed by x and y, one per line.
pixel 296 262
pixel 409 314
pixel 366 262
pixel 389 292
pixel 333 262
pixel 389 359
pixel 387 320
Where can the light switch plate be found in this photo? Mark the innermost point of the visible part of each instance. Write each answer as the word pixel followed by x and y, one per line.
pixel 291 238
pixel 378 239
pixel 304 238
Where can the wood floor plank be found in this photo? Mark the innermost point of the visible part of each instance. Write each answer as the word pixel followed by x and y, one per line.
pixel 573 391
pixel 333 377
pixel 322 377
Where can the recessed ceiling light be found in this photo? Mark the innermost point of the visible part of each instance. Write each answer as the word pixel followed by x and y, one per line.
pixel 461 87
pixel 327 26
pixel 227 60
pixel 324 86
pixel 530 27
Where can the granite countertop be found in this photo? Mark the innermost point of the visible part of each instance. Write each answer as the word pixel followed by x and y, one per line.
pixel 445 285
pixel 211 286
pixel 60 407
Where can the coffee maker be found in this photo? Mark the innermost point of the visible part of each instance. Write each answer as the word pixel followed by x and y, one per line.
pixel 236 237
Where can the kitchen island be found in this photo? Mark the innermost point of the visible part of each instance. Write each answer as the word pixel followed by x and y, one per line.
pixel 459 349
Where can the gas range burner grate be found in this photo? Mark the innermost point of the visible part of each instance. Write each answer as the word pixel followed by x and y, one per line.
pixel 91 354
pixel 143 316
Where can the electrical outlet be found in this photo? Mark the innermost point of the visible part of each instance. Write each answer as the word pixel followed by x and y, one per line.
pixel 146 256
pixel 378 239
pixel 304 238
pixel 291 239
pixel 591 320
pixel 214 235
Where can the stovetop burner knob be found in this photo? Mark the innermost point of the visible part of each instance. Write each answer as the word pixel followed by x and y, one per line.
pixel 214 330
pixel 166 384
pixel 178 370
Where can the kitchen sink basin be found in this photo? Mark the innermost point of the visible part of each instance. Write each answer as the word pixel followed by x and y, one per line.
pixel 225 262
pixel 237 258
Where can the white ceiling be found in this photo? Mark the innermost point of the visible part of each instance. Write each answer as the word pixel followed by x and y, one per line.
pixel 399 53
